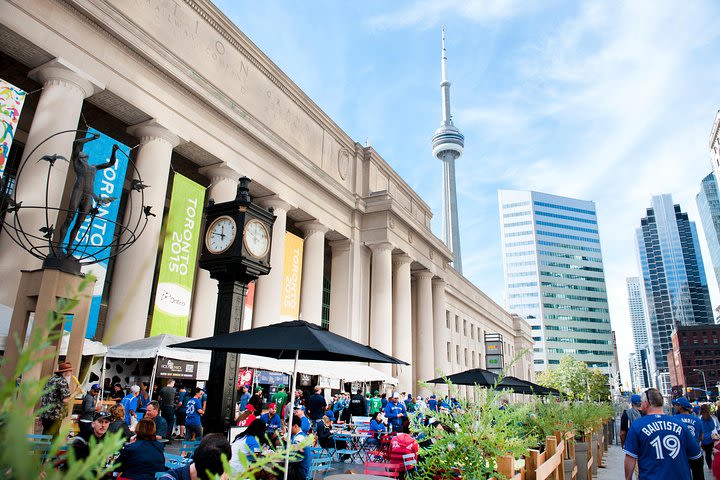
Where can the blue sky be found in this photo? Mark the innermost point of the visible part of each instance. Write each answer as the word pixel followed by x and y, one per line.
pixel 606 101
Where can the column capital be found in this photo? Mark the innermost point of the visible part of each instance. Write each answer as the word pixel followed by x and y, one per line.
pixel 220 172
pixel 152 130
pixel 275 202
pixel 62 71
pixel 381 247
pixel 438 282
pixel 401 259
pixel 312 226
pixel 423 274
pixel 342 245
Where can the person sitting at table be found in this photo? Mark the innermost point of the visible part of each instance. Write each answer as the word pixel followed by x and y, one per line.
pixel 305 422
pixel 247 416
pixel 300 468
pixel 273 422
pixel 325 435
pixel 140 459
pixel 378 425
pixel 247 444
pixel 117 421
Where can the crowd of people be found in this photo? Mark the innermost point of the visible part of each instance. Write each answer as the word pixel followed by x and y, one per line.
pixel 658 445
pixel 147 422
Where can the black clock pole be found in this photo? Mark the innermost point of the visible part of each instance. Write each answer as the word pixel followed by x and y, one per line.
pixel 220 412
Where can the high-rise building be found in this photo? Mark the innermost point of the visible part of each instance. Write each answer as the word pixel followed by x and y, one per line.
pixel 708 202
pixel 448 145
pixel 638 322
pixel 554 276
pixel 715 146
pixel 673 278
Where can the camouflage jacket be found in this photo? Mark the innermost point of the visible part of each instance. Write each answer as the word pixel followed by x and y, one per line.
pixel 52 401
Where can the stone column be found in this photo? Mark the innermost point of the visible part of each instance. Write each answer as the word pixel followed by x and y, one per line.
pixel 131 287
pixel 341 291
pixel 313 268
pixel 222 189
pixel 64 89
pixel 266 308
pixel 381 301
pixel 402 321
pixel 441 331
pixel 424 328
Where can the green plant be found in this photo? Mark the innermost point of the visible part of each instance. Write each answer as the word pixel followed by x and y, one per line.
pixel 17 400
pixel 576 380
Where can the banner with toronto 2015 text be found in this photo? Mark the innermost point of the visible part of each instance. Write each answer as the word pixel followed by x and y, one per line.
pixel 292 276
pixel 96 232
pixel 11 103
pixel 177 267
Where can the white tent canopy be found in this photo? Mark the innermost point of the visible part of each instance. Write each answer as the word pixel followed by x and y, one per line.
pixel 90 347
pixel 158 346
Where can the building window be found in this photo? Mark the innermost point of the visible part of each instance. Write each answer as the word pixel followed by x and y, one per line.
pixel 457 324
pixel 457 353
pixel 449 359
pixel 466 357
pixel 465 327
pixel 325 320
pixel 447 319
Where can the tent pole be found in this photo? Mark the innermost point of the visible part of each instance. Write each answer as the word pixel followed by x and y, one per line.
pixel 292 405
pixel 102 377
pixel 152 378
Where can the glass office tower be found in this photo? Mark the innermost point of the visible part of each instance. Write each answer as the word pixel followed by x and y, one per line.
pixel 639 325
pixel 673 277
pixel 554 276
pixel 708 202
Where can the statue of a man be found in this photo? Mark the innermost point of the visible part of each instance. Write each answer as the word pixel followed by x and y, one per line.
pixel 81 199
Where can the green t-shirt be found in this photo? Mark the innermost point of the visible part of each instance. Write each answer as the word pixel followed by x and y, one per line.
pixel 280 399
pixel 375 405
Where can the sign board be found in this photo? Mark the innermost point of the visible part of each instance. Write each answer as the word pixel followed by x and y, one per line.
pixel 173 368
pixel 245 377
pixel 292 277
pixel 494 362
pixel 305 380
pixel 11 103
pixel 273 378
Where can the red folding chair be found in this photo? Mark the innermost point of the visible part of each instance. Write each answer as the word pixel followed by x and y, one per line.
pixel 389 470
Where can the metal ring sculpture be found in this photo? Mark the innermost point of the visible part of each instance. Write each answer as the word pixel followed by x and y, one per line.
pixel 38 239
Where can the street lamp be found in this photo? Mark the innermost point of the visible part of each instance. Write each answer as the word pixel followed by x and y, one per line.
pixel 704 382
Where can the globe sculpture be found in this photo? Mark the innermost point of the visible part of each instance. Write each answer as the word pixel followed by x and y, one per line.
pixel 89 227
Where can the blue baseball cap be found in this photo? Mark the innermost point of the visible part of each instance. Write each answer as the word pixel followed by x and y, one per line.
pixel 635 399
pixel 683 402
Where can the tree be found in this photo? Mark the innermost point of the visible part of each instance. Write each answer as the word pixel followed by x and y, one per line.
pixel 576 380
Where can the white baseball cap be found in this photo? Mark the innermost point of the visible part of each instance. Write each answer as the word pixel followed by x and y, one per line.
pixel 135 389
pixel 396 395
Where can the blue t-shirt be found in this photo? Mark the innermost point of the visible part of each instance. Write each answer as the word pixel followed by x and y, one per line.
pixel 693 424
pixel 662 445
pixel 304 464
pixel 273 423
pixel 376 427
pixel 129 402
pixel 433 405
pixel 192 417
pixel 305 425
pixel 708 427
pixel 392 410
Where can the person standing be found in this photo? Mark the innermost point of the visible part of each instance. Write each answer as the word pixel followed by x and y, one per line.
pixel 118 393
pixel 55 399
pixel 709 427
pixel 193 419
pixel 89 406
pixel 433 403
pixel 661 445
pixel 358 408
pixel 244 398
pixel 684 409
pixel 168 400
pixel 375 403
pixel 257 400
pixel 280 399
pixel 628 416
pixel 396 412
pixel 130 402
pixel 182 397
pixel 316 406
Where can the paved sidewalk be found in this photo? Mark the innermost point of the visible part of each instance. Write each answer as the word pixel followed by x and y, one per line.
pixel 615 469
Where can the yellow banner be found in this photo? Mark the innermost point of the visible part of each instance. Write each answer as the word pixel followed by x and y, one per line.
pixel 292 275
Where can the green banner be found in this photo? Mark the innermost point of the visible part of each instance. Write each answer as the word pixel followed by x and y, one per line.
pixel 177 267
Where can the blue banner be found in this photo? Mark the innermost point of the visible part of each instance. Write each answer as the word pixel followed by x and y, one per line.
pixel 95 238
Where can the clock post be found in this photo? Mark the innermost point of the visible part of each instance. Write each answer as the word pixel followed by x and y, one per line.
pixel 236 251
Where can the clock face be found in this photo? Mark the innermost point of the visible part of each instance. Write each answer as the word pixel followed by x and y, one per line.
pixel 221 234
pixel 256 238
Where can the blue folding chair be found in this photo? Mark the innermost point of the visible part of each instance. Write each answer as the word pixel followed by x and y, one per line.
pixel 175 461
pixel 319 465
pixel 348 449
pixel 39 445
pixel 187 447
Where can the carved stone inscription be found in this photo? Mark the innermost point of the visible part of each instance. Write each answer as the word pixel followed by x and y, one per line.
pixel 215 56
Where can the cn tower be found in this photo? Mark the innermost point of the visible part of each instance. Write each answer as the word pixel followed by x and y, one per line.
pixel 447 145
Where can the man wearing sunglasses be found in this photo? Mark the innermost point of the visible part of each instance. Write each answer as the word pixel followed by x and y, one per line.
pixel 660 444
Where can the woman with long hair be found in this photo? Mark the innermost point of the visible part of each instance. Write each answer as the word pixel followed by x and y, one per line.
pixel 247 444
pixel 709 426
pixel 141 459
pixel 117 421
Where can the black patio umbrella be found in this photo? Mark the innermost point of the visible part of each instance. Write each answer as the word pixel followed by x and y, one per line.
pixel 296 339
pixel 486 378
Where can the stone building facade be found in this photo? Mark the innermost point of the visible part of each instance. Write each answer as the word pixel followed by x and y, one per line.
pixel 185 87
